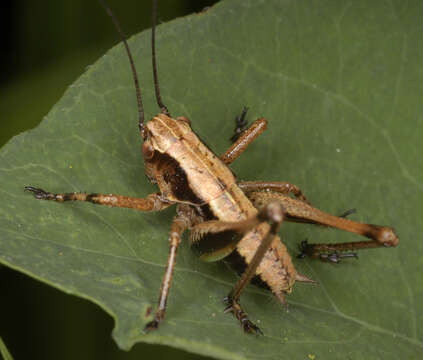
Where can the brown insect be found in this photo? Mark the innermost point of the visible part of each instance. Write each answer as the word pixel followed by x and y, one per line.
pixel 235 221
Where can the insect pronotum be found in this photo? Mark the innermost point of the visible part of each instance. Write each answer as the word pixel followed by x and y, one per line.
pixel 227 219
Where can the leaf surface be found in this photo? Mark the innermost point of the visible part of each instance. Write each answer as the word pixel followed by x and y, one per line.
pixel 4 351
pixel 341 85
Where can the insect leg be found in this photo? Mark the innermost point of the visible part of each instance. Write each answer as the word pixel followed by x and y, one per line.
pixel 153 202
pixel 334 252
pixel 179 225
pixel 272 213
pixel 274 186
pixel 245 139
pixel 299 211
pixel 241 123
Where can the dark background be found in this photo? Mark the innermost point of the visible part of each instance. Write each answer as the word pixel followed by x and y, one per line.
pixel 46 45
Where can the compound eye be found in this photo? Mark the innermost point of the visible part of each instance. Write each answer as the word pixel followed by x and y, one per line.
pixel 147 150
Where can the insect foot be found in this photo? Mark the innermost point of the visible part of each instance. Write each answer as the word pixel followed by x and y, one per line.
pixel 335 258
pixel 40 193
pixel 241 124
pixel 234 308
pixel 332 257
pixel 152 325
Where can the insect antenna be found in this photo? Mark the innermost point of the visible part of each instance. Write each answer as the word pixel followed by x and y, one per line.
pixel 162 106
pixel 134 71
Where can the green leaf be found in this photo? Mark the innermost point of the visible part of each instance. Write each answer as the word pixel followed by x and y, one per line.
pixel 4 352
pixel 341 85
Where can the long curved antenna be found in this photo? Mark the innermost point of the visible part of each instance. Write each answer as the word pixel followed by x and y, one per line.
pixel 162 106
pixel 134 71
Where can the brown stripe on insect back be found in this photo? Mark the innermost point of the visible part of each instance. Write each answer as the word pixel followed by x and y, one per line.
pixel 174 178
pixel 232 205
pixel 188 171
pixel 206 212
pixel 207 175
